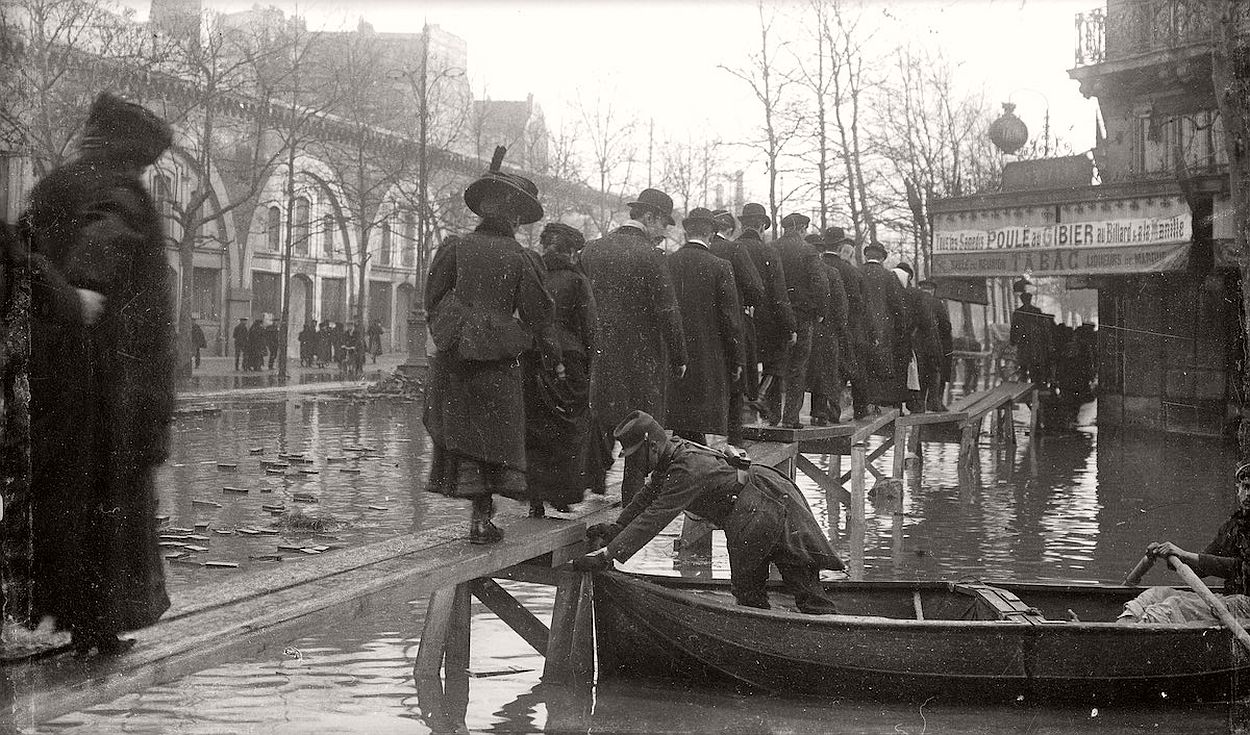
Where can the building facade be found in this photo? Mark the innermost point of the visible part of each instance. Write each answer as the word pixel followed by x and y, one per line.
pixel 1151 237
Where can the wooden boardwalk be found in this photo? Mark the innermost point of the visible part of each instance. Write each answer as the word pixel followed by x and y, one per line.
pixel 261 613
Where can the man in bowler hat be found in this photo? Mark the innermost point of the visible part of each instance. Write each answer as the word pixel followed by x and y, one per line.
pixel 808 287
pixel 765 517
pixel 773 321
pixel 840 252
pixel 750 294
pixel 641 339
pixel 884 385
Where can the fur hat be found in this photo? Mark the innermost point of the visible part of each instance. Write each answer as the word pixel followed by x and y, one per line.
pixel 128 131
pixel 521 192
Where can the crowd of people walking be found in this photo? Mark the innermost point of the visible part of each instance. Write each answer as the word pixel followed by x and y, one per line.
pixel 540 358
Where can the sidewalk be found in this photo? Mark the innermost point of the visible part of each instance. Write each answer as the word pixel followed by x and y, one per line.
pixel 216 376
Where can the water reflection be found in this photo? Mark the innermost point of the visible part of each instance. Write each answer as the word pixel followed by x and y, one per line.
pixel 1077 505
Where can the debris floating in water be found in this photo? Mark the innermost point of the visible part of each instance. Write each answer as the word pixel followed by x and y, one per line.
pixel 378 507
pixel 241 490
pixel 209 503
pixel 304 498
pixel 221 564
pixel 256 450
pixel 227 466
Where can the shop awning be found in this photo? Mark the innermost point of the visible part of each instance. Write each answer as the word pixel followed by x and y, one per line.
pixel 1097 247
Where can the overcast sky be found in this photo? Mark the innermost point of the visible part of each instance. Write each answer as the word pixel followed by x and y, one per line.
pixel 661 58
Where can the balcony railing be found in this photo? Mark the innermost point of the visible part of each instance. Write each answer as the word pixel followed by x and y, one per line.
pixel 1132 27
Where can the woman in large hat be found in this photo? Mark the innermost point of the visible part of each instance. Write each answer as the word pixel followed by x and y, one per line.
pixel 486 303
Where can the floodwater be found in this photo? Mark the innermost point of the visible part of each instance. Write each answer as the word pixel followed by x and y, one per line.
pixel 1075 505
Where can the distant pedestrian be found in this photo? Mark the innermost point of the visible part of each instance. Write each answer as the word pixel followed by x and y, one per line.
pixel 102 385
pixel 308 343
pixel 240 344
pixel 1031 334
pixel 338 338
pixel 486 303
pixel 375 339
pixel 640 335
pixel 275 335
pixel 711 320
pixel 257 340
pixel 774 329
pixel 325 345
pixel 935 367
pixel 557 401
pixel 198 342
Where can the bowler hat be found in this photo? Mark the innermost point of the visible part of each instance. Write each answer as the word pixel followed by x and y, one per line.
pixel 636 428
pixel 521 192
pixel 903 265
pixel 131 132
pixel 835 236
pixel 657 201
pixel 814 239
pixel 723 217
pixel 751 210
pixel 794 219
pixel 698 214
pixel 1021 285
pixel 874 247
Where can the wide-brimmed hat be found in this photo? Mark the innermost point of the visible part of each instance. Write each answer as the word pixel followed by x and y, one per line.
pixel 637 428
pixel 698 214
pixel 836 236
pixel 794 219
pixel 129 131
pixel 751 210
pixel 657 201
pixel 520 191
pixel 875 246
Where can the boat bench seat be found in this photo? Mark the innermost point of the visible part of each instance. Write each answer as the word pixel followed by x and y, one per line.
pixel 994 603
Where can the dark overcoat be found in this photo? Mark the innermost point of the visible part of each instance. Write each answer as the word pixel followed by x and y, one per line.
pixel 1030 332
pixel 943 319
pixel 474 409
pixel 883 305
pixel 102 398
pixel 857 326
pixel 774 319
pixel 557 411
pixel 640 336
pixel 806 282
pixel 746 275
pixel 767 508
pixel 711 320
pixel 831 337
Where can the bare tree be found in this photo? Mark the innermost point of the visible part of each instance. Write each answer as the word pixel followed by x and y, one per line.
pixel 686 170
pixel 846 55
pixel 813 73
pixel 770 87
pixel 609 131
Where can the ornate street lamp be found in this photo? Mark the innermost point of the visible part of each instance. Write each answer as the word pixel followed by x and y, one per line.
pixel 1008 133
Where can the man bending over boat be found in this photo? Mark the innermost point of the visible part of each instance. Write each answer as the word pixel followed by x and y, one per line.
pixel 1227 556
pixel 765 517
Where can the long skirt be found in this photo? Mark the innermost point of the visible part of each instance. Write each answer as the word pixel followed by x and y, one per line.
pixel 557 429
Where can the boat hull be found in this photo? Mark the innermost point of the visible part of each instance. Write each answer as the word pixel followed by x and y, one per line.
pixel 676 630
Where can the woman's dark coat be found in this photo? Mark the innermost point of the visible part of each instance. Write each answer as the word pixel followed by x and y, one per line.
pixel 640 334
pixel 557 412
pixel 102 398
pixel 475 409
pixel 883 306
pixel 711 320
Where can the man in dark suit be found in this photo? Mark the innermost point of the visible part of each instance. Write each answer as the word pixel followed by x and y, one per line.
pixel 883 306
pixel 240 343
pixel 830 341
pixel 1030 333
pixel 711 319
pixel 750 294
pixel 808 289
pixel 935 372
pixel 840 251
pixel 773 319
pixel 640 333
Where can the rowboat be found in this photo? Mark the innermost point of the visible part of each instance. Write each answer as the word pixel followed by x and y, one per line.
pixel 912 641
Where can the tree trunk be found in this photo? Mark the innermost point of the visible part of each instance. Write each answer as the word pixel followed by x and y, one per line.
pixel 186 301
pixel 1230 72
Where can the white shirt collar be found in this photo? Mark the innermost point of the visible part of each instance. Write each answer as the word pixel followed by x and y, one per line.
pixel 697 241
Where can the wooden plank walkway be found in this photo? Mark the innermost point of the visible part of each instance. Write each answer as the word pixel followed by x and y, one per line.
pixel 261 613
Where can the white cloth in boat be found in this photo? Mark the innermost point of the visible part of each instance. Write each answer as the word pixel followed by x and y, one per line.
pixel 1170 605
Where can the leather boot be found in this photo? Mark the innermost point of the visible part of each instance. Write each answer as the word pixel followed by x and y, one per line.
pixel 481 530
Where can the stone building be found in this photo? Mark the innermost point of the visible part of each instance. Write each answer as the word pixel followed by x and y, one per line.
pixel 1150 237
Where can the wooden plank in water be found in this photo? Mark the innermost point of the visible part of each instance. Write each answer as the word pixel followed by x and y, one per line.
pixel 504 605
pixel 253 619
pixel 920 419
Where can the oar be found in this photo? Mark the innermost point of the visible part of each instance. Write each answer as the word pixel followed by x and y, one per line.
pixel 1139 571
pixel 1221 610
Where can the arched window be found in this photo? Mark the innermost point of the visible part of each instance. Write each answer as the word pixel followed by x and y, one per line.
pixel 299 227
pixel 162 192
pixel 327 235
pixel 410 239
pixel 384 258
pixel 273 228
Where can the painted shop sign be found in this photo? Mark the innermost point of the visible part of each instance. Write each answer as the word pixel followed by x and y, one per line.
pixel 1144 245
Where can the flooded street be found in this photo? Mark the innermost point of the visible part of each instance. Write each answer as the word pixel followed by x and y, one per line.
pixel 1073 506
